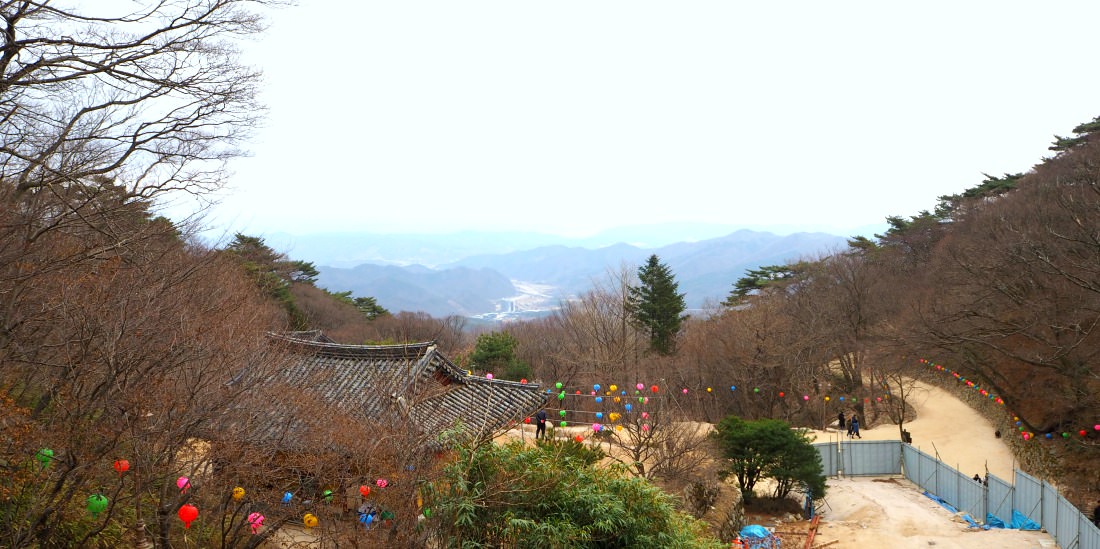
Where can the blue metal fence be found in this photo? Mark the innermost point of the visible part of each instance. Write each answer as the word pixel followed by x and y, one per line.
pixel 991 499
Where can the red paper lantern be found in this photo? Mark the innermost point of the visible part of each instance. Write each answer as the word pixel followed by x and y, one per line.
pixel 527 420
pixel 364 490
pixel 122 466
pixel 187 514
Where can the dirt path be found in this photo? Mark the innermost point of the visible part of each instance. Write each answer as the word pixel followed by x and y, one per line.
pixel 868 512
pixel 946 428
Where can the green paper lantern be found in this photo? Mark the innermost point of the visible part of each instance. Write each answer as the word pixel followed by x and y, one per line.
pixel 44 456
pixel 97 503
pixel 561 395
pixel 563 424
pixel 427 512
pixel 558 385
pixel 562 413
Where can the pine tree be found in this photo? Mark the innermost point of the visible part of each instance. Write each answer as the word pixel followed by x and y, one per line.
pixel 656 306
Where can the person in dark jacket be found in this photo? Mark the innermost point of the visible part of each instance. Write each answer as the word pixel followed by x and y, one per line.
pixel 540 424
pixel 855 427
pixel 840 420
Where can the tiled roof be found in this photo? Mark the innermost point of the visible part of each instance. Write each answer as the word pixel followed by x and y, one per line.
pixel 413 380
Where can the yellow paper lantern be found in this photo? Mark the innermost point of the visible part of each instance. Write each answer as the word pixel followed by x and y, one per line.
pixel 238 493
pixel 310 520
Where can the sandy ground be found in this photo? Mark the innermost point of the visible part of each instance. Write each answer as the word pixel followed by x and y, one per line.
pixel 871 512
pixel 946 428
pixel 867 512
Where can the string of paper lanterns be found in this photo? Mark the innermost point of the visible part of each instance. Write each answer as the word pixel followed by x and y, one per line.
pixel 188 513
pixel 1082 432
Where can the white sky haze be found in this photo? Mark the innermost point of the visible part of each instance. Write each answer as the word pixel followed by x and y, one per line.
pixel 572 117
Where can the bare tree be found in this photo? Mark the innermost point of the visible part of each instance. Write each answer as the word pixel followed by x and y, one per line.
pixel 153 96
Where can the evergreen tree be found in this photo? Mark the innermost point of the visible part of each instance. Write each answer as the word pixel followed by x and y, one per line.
pixel 496 352
pixel 656 307
pixel 756 280
pixel 769 448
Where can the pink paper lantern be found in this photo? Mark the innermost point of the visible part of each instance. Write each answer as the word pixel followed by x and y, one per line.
pixel 685 390
pixel 183 484
pixel 255 520
pixel 488 376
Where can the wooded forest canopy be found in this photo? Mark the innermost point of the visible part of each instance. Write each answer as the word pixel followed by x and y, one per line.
pixel 123 338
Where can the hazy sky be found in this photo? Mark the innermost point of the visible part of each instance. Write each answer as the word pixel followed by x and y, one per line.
pixel 570 117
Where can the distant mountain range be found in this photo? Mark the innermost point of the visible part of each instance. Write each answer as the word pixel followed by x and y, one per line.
pixel 501 276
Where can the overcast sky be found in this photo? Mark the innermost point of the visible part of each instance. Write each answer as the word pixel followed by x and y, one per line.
pixel 571 117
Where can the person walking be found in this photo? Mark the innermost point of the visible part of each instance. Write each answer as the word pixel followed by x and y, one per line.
pixel 840 420
pixel 855 427
pixel 540 424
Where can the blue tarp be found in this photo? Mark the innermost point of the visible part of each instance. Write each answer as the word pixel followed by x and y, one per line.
pixel 973 523
pixel 966 516
pixel 758 537
pixel 755 531
pixel 993 521
pixel 941 501
pixel 1021 522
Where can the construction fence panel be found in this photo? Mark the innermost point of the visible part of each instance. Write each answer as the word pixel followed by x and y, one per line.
pixel 829 464
pixel 972 498
pixel 1000 499
pixel 1066 525
pixel 921 468
pixel 1088 532
pixel 870 458
pixel 1028 498
pixel 949 481
pixel 1049 517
